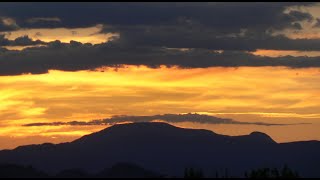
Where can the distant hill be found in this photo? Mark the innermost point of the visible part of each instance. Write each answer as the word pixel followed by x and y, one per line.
pixel 18 171
pixel 161 147
pixel 119 170
pixel 127 170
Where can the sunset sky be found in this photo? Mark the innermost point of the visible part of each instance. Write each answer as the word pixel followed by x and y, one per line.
pixel 70 69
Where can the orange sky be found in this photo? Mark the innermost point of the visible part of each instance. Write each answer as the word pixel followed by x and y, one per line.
pixel 279 53
pixel 250 94
pixel 83 35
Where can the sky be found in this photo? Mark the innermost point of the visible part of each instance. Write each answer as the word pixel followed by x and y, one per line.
pixel 70 69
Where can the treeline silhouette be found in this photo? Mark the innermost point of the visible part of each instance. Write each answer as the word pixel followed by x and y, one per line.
pixel 127 170
pixel 284 172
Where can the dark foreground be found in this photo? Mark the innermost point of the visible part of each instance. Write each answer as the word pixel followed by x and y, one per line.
pixel 162 150
pixel 127 170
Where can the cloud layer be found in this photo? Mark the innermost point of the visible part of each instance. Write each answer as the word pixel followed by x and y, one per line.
pixel 170 118
pixel 75 56
pixel 188 35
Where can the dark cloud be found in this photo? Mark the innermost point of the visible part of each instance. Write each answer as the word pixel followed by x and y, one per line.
pixel 170 118
pixel 177 36
pixel 218 15
pixel 25 41
pixel 4 41
pixel 19 41
pixel 297 26
pixel 299 16
pixel 75 56
pixel 47 22
pixel 147 30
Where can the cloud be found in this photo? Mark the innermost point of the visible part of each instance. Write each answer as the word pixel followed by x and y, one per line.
pixel 8 24
pixel 153 34
pixel 47 22
pixel 75 56
pixel 170 118
pixel 194 36
pixel 187 19
pixel 25 41
pixel 221 15
pixel 299 16
pixel 39 19
pixel 4 41
pixel 19 41
pixel 164 20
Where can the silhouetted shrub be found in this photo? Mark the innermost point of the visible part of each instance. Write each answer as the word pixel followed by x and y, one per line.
pixel 192 173
pixel 285 172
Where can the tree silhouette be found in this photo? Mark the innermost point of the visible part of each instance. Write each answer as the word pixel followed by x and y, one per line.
pixel 285 172
pixel 192 173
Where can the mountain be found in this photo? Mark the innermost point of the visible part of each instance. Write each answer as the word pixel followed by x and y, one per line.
pixel 161 147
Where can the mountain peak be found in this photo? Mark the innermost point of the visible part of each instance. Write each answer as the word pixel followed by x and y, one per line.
pixel 139 127
pixel 144 130
pixel 257 133
pixel 144 124
pixel 260 136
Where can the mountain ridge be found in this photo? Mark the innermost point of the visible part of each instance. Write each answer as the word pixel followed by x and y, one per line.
pixel 162 147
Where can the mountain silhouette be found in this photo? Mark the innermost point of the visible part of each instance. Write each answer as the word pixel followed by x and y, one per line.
pixel 164 148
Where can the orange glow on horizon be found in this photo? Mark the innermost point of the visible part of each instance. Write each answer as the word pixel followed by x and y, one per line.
pixel 249 94
pixel 279 53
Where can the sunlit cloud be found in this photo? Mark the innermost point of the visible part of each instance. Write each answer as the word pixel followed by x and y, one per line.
pixel 169 118
pixel 9 22
pixel 267 114
pixel 279 53
pixel 84 35
pixel 19 48
pixel 308 30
